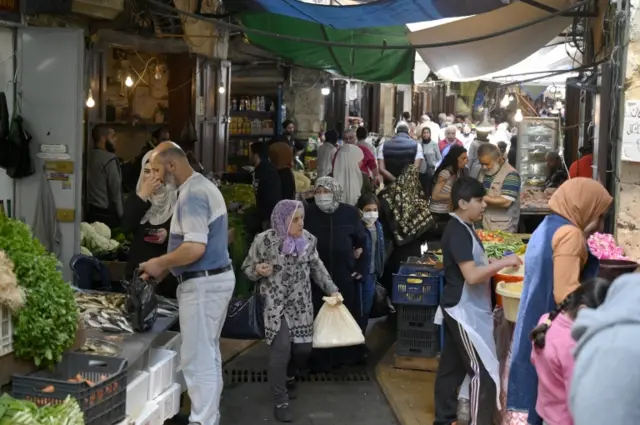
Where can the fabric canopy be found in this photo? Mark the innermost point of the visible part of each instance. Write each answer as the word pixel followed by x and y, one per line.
pixel 380 13
pixel 372 65
pixel 474 60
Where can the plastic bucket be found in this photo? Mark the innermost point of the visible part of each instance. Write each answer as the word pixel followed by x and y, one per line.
pixel 612 269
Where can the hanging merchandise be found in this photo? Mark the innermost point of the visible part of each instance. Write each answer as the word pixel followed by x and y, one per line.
pixel 142 305
pixel 45 225
pixel 20 163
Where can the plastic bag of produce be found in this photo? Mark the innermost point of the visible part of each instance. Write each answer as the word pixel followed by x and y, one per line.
pixel 335 326
pixel 142 305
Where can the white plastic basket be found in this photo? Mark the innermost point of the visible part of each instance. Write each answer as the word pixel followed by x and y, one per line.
pixel 511 293
pixel 6 332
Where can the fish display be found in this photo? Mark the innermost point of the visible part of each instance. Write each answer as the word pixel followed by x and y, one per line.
pixel 100 347
pixel 107 311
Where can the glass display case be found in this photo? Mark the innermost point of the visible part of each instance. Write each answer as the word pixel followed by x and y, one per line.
pixel 536 137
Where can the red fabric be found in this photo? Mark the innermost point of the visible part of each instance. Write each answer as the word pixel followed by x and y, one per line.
pixel 368 163
pixel 582 167
pixel 443 143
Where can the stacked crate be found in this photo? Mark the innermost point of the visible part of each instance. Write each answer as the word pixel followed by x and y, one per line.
pixel 416 293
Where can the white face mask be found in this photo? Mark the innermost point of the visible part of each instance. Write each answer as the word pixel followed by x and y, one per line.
pixel 370 217
pixel 324 201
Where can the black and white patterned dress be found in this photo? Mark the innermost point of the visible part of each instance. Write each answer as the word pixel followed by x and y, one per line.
pixel 287 292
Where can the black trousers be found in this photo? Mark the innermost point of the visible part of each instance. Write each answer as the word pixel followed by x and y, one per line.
pixel 459 358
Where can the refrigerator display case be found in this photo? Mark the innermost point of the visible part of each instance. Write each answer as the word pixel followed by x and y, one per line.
pixel 536 138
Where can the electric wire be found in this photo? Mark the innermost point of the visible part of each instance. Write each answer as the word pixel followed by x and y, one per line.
pixel 384 46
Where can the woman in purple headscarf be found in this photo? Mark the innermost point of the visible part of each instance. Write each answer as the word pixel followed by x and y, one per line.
pixel 282 261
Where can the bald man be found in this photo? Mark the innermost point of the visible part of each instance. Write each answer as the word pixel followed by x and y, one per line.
pixel 199 258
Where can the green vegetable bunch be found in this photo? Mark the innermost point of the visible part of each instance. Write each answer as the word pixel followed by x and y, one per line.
pixel 240 193
pixel 46 326
pixel 22 412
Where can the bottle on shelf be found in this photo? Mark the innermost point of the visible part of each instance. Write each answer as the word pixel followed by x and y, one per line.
pixel 253 103
pixel 234 104
pixel 272 107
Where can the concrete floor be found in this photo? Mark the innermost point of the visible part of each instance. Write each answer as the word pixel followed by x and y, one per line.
pixel 358 401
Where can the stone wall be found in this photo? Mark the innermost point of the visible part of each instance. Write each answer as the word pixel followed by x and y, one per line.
pixel 628 218
pixel 304 101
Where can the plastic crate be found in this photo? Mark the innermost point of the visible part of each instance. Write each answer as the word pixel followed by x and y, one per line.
pixel 418 317
pixel 137 394
pixel 6 332
pixel 415 343
pixel 104 403
pixel 422 289
pixel 169 402
pixel 162 373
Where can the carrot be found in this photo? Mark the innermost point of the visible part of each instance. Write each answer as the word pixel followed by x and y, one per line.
pixel 49 389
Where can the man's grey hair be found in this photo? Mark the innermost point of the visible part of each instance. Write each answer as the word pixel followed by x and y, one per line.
pixel 442 117
pixel 488 149
pixel 425 118
pixel 451 127
pixel 174 152
pixel 402 128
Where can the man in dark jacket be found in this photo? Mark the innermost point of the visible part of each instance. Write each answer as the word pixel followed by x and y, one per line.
pixel 266 183
pixel 394 155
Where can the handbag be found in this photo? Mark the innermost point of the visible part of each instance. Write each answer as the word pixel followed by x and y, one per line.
pixel 245 318
pixel 141 304
pixel 381 303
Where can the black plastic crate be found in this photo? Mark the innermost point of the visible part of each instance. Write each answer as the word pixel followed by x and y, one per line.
pixel 418 317
pixel 416 284
pixel 103 401
pixel 415 343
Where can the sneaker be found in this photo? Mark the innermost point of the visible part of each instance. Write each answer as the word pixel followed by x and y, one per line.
pixel 292 388
pixel 282 413
pixel 464 412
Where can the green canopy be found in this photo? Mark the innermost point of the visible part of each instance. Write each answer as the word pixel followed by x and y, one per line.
pixel 372 65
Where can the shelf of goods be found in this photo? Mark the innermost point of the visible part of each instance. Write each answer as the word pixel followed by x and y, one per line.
pixel 416 293
pixel 536 138
pixel 253 119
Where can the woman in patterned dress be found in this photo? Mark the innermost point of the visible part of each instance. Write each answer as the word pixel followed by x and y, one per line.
pixel 282 260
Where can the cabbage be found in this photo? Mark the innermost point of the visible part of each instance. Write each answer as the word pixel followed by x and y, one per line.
pixel 102 229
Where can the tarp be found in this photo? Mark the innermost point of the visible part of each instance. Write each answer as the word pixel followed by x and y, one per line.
pixel 380 13
pixel 372 65
pixel 472 61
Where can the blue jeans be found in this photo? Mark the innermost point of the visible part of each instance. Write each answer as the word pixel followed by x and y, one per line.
pixel 367 293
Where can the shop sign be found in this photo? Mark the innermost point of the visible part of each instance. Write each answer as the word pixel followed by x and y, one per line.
pixel 631 131
pixel 9 5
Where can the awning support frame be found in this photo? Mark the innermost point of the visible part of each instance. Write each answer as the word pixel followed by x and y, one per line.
pixel 593 13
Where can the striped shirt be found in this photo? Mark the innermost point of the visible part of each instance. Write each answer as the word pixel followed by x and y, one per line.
pixel 200 216
pixel 442 207
pixel 510 186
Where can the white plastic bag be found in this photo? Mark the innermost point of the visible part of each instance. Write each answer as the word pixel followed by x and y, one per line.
pixel 335 326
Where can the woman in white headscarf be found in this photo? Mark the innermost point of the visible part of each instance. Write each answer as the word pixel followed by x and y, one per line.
pixel 147 217
pixel 346 171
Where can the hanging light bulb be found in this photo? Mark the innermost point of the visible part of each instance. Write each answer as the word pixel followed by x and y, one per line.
pixel 558 105
pixel 158 74
pixel 129 81
pixel 221 88
pixel 325 91
pixel 505 101
pixel 518 116
pixel 512 98
pixel 90 102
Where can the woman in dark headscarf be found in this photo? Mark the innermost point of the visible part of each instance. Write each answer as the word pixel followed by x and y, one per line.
pixel 282 260
pixel 341 237
pixel 405 217
pixel 281 157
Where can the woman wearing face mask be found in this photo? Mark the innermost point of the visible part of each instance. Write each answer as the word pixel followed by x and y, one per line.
pixel 147 214
pixel 557 259
pixel 373 252
pixel 282 261
pixel 341 237
pixel 432 158
pixel 451 168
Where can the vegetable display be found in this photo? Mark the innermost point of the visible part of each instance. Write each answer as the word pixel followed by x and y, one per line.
pixel 96 237
pixel 604 247
pixel 22 412
pixel 496 243
pixel 238 193
pixel 46 326
pixel 12 296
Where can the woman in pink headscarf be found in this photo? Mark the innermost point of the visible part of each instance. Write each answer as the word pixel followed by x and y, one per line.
pixel 282 261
